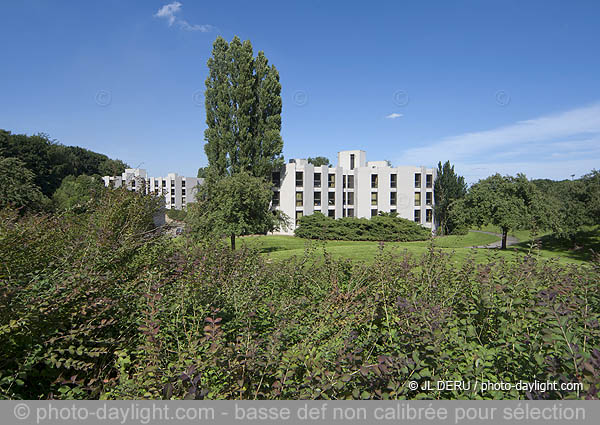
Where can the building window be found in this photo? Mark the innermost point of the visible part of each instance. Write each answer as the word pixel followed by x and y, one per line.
pixel 331 198
pixel 317 199
pixel 299 179
pixel 352 161
pixel 173 201
pixel 350 198
pixel 428 215
pixel 172 191
pixel 331 213
pixel 374 212
pixel 276 197
pixel 417 179
pixel 392 198
pixel 393 181
pixel 373 198
pixel 351 182
pixel 276 178
pixel 429 181
pixel 155 183
pixel 182 183
pixel 164 183
pixel 183 192
pixel 331 180
pixel 428 198
pixel 417 216
pixel 299 199
pixel 172 183
pixel 374 181
pixel 317 179
pixel 350 212
pixel 417 199
pixel 299 215
pixel 393 211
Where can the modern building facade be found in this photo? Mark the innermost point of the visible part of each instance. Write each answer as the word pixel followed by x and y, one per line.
pixel 354 188
pixel 177 190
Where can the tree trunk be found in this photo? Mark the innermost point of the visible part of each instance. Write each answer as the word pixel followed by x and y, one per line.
pixel 233 241
pixel 504 236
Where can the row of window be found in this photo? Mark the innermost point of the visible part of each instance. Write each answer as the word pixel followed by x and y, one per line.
pixel 348 198
pixel 349 180
pixel 349 212
pixel 164 183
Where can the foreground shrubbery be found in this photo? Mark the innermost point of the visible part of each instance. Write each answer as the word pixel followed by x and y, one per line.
pixel 384 227
pixel 100 306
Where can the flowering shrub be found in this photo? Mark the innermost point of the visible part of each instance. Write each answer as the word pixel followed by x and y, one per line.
pixel 101 305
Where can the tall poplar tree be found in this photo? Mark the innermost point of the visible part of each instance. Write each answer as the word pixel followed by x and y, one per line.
pixel 243 111
pixel 243 142
pixel 448 187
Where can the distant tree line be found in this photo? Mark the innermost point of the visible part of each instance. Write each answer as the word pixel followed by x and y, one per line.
pixel 32 169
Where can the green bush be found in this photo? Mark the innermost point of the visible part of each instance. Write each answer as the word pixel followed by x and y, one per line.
pixel 178 215
pixel 384 227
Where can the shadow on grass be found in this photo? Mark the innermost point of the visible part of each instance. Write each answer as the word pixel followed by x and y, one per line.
pixel 581 246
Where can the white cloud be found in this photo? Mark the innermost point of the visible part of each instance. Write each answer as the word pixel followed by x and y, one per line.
pixel 553 146
pixel 168 12
pixel 394 116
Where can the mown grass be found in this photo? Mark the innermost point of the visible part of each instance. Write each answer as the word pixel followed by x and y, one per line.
pixel 580 248
pixel 278 248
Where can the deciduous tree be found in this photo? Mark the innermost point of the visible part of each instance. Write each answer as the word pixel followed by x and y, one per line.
pixel 504 201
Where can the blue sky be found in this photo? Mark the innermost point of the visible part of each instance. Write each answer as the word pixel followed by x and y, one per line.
pixel 505 87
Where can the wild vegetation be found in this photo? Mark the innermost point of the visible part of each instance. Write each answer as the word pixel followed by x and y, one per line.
pixel 99 304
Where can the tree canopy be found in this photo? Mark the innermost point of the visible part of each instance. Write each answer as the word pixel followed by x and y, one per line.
pixel 233 205
pixel 507 202
pixel 17 186
pixel 319 161
pixel 243 111
pixel 75 192
pixel 51 162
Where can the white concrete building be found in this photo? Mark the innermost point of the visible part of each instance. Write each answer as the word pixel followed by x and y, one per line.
pixel 355 188
pixel 177 190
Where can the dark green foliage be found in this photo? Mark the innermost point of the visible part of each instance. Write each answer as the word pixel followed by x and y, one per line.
pixel 17 186
pixel 319 161
pixel 243 111
pixel 202 172
pixel 575 203
pixel 384 227
pixel 447 188
pixel 75 193
pixel 178 215
pixel 51 162
pixel 71 291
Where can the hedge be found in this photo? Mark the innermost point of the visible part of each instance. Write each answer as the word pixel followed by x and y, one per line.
pixel 384 227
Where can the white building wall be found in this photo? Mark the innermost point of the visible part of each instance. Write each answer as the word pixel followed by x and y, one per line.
pixel 177 190
pixel 363 207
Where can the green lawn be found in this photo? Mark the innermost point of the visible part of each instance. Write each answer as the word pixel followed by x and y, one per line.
pixel 277 247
